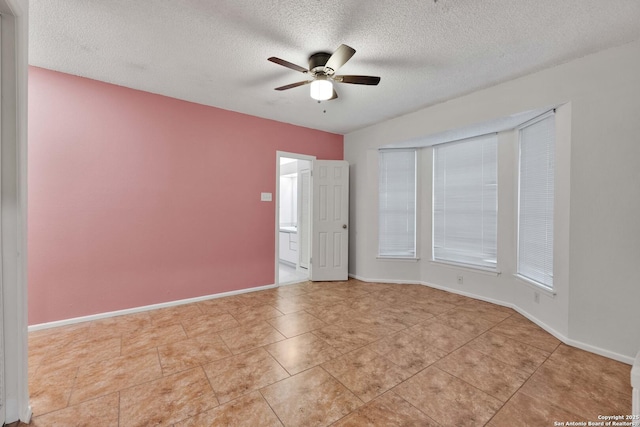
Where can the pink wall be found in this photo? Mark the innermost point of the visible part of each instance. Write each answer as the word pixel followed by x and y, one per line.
pixel 137 199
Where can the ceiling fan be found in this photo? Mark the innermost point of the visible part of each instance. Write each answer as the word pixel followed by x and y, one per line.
pixel 322 69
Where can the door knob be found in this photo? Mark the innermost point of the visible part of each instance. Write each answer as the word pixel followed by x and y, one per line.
pixel 344 225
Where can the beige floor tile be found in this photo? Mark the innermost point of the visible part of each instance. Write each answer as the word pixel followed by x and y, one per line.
pixel 255 313
pixel 372 323
pixel 45 342
pixel 409 353
pixel 329 314
pixel 250 336
pixel 266 297
pixel 403 316
pixel 320 298
pixel 366 373
pixel 485 310
pixel 294 324
pixel 489 375
pixel 393 297
pixel 447 399
pixel 439 335
pixel 370 336
pixel 174 315
pixel 241 374
pixel 522 329
pixel 434 307
pixel 450 298
pixel 55 338
pixel 312 398
pixel 218 305
pixel 527 411
pixel 575 394
pixel 379 321
pixel 151 337
pixel 511 352
pixel 191 353
pixel 345 339
pixel 107 376
pixel 367 303
pixel 250 410
pixel 102 412
pixel 208 323
pixel 464 322
pixel 292 289
pixel 167 400
pixel 591 367
pixel 91 349
pixel 291 304
pixel 302 352
pixel 388 410
pixel 49 389
pixel 117 325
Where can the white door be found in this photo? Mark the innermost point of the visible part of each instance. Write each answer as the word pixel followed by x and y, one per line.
pixel 330 220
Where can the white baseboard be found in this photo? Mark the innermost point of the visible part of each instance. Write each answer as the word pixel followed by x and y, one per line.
pixel 143 308
pixel 566 340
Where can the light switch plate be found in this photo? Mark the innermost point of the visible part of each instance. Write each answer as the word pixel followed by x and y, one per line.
pixel 266 197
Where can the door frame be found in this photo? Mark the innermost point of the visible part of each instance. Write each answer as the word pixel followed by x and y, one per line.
pixel 297 156
pixel 14 399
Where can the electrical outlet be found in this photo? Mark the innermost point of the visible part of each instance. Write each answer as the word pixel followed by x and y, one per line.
pixel 536 297
pixel 460 279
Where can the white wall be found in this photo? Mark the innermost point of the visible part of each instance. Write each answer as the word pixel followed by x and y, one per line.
pixel 597 242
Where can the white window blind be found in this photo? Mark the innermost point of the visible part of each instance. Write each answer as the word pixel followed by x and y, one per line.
pixel 465 203
pixel 397 203
pixel 535 210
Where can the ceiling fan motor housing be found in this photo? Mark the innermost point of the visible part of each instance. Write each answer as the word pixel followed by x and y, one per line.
pixel 317 62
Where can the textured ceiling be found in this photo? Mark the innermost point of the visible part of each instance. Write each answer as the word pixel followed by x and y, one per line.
pixel 215 52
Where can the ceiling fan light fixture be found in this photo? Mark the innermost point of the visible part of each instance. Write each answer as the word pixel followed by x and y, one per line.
pixel 321 89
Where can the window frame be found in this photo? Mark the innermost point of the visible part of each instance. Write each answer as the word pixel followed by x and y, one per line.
pixel 491 268
pixel 400 256
pixel 529 280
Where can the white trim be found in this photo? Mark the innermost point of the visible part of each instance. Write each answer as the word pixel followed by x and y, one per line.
pixel 143 308
pixel 469 267
pixel 635 383
pixel 535 285
pixel 537 119
pixel 14 209
pixel 495 125
pixel 566 340
pixel 397 258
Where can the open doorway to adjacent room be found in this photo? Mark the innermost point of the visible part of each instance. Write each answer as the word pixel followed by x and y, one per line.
pixel 293 217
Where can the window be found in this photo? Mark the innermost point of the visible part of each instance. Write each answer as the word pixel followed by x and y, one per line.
pixel 465 203
pixel 397 204
pixel 535 201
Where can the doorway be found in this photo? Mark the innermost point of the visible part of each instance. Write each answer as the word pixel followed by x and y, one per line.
pixel 293 217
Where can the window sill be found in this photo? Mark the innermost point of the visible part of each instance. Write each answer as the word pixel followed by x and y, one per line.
pixel 536 286
pixel 397 258
pixel 468 267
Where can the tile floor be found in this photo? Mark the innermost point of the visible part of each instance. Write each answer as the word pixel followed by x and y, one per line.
pixel 318 354
pixel 289 274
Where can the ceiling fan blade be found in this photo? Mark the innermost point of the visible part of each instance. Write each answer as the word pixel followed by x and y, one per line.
pixel 340 57
pixel 358 80
pixel 292 85
pixel 288 64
